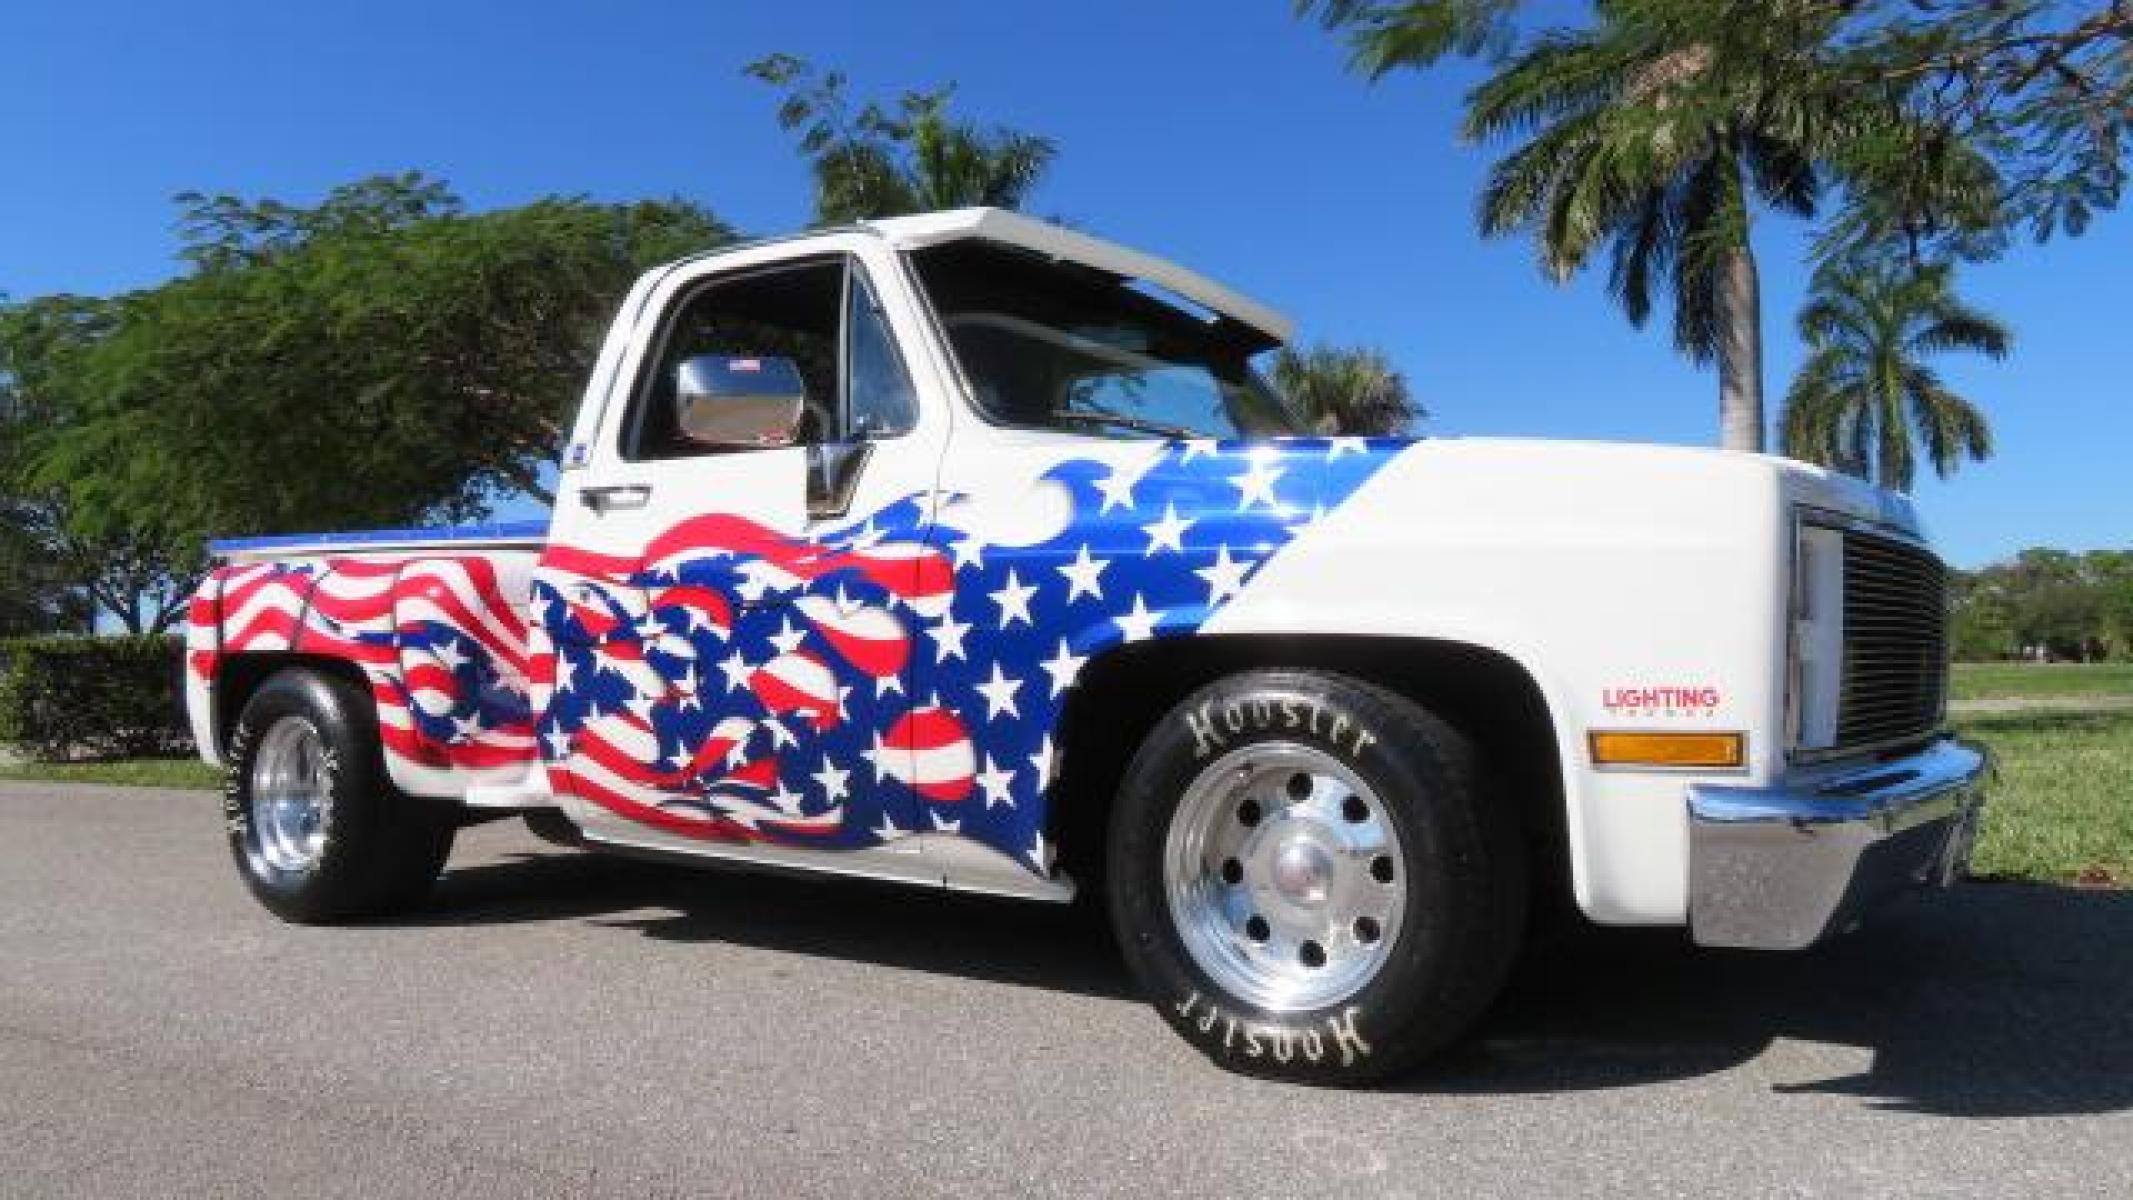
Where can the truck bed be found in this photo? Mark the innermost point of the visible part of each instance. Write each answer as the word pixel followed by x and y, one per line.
pixel 435 620
pixel 497 535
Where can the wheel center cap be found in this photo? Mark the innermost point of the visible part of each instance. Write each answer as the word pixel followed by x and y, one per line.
pixel 1302 871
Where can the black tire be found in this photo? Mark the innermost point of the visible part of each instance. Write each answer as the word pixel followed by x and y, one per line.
pixel 1464 878
pixel 551 826
pixel 381 849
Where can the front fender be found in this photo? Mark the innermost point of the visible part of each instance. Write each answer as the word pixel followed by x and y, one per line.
pixel 1610 575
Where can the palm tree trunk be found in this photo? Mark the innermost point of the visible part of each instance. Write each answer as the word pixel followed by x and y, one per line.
pixel 1740 353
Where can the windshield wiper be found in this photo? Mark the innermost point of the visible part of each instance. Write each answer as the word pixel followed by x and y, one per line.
pixel 1125 422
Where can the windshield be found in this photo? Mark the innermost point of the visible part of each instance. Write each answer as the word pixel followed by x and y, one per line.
pixel 1055 345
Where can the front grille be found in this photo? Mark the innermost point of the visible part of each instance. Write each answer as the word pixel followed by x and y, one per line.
pixel 1895 642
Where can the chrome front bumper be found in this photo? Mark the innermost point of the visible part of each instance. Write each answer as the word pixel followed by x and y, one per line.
pixel 1779 868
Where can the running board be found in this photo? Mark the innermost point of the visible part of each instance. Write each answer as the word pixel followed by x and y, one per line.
pixel 932 860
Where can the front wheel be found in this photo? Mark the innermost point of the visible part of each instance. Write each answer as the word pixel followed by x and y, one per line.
pixel 1308 880
pixel 317 830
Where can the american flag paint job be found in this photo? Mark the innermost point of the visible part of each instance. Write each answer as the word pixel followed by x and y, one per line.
pixel 903 672
pixel 444 649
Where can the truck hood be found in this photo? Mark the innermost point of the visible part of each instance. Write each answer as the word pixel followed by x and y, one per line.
pixel 1565 474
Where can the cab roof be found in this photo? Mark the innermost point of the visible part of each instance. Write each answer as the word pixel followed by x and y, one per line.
pixel 1057 241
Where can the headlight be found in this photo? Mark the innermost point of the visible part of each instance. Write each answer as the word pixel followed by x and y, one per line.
pixel 1817 667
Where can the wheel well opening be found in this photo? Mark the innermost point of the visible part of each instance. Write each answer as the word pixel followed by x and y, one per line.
pixel 1484 694
pixel 242 674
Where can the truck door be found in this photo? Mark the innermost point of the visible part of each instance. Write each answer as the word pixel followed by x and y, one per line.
pixel 732 625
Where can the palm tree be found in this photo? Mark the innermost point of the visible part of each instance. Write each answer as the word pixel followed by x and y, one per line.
pixel 1869 326
pixel 918 159
pixel 1346 390
pixel 1657 132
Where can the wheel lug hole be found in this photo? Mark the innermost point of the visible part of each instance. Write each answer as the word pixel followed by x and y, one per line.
pixel 1248 813
pixel 1381 868
pixel 1366 930
pixel 1256 928
pixel 1232 871
pixel 1312 955
pixel 1299 786
pixel 1355 810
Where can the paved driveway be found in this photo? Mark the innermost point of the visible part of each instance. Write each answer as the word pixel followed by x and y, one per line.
pixel 560 1023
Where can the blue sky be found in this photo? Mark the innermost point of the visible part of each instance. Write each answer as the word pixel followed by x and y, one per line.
pixel 1222 133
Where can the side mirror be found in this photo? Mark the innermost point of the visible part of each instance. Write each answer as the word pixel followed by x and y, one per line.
pixel 739 403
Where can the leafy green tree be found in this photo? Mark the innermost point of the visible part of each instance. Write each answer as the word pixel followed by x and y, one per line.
pixel 2064 618
pixel 1870 326
pixel 2118 614
pixel 1981 623
pixel 1347 390
pixel 2054 603
pixel 223 231
pixel 879 162
pixel 36 596
pixel 2042 90
pixel 2071 605
pixel 383 358
pixel 56 567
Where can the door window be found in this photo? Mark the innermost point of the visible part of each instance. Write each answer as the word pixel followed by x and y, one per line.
pixel 786 312
pixel 882 401
pixel 820 314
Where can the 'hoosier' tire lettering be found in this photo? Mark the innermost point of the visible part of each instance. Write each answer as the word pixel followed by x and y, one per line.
pixel 1271 835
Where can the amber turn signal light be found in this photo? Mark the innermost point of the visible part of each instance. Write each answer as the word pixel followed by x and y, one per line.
pixel 1618 749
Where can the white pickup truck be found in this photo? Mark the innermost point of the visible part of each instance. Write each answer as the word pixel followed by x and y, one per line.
pixel 969 551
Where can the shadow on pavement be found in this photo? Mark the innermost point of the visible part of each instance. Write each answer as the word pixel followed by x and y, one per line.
pixel 1038 945
pixel 1995 1000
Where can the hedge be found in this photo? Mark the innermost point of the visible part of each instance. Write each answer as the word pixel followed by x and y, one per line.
pixel 74 698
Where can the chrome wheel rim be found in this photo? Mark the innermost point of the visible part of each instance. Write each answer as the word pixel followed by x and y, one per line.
pixel 1285 875
pixel 290 796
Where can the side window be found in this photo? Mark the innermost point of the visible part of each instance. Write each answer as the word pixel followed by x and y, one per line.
pixel 789 311
pixel 882 401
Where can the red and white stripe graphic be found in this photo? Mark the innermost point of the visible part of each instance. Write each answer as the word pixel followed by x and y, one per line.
pixel 263 606
pixel 915 573
pixel 383 616
pixel 872 639
pixel 940 764
pixel 800 683
pixel 203 626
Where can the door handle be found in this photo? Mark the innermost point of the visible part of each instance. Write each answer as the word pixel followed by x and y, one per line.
pixel 833 470
pixel 618 496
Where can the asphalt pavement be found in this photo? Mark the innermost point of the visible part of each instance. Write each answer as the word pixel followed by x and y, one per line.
pixel 557 1023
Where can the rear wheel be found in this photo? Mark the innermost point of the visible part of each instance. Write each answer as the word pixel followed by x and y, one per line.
pixel 317 830
pixel 1308 880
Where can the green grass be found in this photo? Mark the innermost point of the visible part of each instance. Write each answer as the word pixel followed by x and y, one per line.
pixel 131 772
pixel 2061 809
pixel 2029 681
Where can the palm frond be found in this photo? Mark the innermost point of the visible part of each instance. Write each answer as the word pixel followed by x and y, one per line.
pixel 1951 427
pixel 1642 253
pixel 1563 76
pixel 1521 186
pixel 1346 390
pixel 1783 175
pixel 1417 33
pixel 914 157
pixel 1707 196
pixel 1823 415
pixel 1957 326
